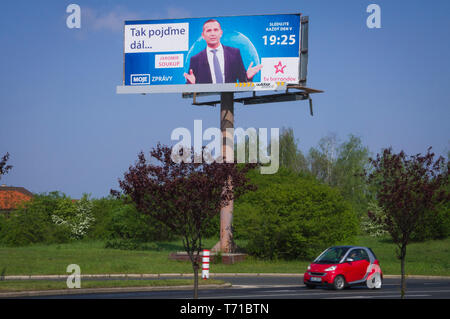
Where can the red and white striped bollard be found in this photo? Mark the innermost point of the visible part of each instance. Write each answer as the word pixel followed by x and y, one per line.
pixel 205 266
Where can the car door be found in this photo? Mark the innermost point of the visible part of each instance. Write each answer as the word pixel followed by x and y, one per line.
pixel 365 263
pixel 356 269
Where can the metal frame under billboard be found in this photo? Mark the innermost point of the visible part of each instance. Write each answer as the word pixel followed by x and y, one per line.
pixel 254 53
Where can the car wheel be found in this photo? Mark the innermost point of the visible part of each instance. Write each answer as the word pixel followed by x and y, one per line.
pixel 375 282
pixel 339 283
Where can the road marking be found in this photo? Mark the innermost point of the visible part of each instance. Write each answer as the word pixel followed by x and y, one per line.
pixel 278 291
pixel 399 296
pixel 340 294
pixel 389 285
pixel 266 286
pixel 382 296
pixel 252 296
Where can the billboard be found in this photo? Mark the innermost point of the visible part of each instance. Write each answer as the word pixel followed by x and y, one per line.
pixel 260 49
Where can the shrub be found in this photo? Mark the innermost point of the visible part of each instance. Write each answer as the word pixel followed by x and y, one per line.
pixel 368 226
pixel 130 244
pixel 292 216
pixel 75 217
pixel 32 222
pixel 102 211
pixel 434 225
pixel 128 229
pixel 2 224
pixel 55 218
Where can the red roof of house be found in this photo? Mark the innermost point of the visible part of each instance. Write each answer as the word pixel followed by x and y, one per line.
pixel 11 197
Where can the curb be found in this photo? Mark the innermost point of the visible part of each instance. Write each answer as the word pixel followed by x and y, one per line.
pixel 190 275
pixel 418 277
pixel 74 291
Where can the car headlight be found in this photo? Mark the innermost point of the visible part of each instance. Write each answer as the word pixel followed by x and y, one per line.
pixel 331 268
pixel 309 267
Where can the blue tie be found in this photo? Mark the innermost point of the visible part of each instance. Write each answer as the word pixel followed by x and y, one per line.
pixel 217 71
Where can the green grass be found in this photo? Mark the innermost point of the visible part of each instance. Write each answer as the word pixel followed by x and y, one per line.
pixel 36 285
pixel 429 258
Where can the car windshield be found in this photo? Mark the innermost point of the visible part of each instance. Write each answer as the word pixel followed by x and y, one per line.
pixel 332 255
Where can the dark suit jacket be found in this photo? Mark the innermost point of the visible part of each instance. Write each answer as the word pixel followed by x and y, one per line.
pixel 234 67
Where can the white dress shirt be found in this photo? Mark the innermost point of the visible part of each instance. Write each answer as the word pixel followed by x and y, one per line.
pixel 221 58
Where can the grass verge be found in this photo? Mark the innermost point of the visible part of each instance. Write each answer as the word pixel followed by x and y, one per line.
pixel 37 285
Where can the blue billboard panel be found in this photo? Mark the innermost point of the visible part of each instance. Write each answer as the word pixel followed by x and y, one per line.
pixel 264 48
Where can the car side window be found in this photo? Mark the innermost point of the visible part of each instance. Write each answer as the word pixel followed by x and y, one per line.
pixel 364 255
pixel 354 254
pixel 358 254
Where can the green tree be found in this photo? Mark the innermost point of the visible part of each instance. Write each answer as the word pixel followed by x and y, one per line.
pixel 321 160
pixel 291 156
pixel 348 173
pixel 292 216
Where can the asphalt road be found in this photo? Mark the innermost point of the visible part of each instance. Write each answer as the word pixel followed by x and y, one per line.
pixel 287 288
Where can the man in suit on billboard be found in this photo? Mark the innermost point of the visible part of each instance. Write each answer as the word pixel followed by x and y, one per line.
pixel 218 63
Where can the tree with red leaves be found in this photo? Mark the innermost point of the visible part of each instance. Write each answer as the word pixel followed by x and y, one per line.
pixel 185 196
pixel 3 167
pixel 406 188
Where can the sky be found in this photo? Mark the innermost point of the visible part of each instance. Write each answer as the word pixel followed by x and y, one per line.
pixel 66 129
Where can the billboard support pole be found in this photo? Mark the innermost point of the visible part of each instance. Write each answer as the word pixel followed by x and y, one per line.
pixel 227 129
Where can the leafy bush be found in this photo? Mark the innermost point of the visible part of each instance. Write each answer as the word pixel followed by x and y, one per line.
pixel 56 218
pixel 2 224
pixel 76 217
pixel 433 225
pixel 292 216
pixel 129 229
pixel 213 230
pixel 368 226
pixel 130 244
pixel 102 211
pixel 32 222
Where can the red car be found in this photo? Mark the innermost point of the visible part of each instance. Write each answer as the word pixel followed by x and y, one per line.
pixel 344 266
